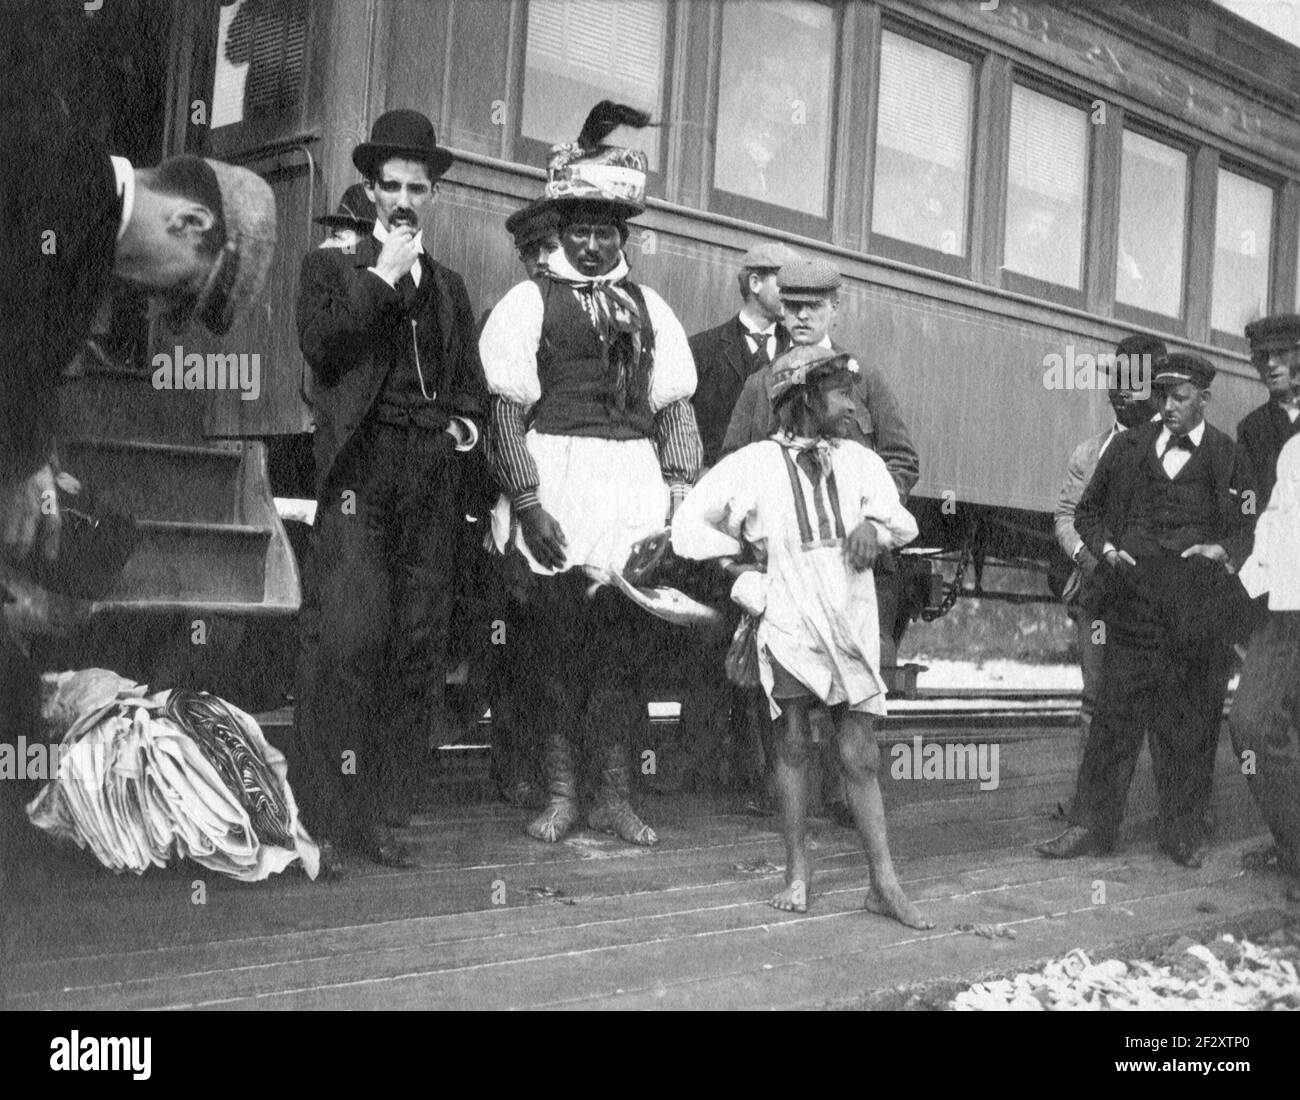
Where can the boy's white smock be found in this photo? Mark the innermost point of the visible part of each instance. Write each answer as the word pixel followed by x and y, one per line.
pixel 819 617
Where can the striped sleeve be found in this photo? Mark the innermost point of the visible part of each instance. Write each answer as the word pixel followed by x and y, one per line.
pixel 508 453
pixel 677 439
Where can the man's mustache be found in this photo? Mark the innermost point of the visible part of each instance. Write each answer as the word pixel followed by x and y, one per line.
pixel 403 217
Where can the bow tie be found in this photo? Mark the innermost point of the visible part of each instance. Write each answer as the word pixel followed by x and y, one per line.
pixel 1177 441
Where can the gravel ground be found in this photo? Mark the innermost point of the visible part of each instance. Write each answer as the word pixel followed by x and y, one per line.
pixel 1224 973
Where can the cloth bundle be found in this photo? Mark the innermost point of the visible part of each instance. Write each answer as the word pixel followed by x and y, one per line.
pixel 143 780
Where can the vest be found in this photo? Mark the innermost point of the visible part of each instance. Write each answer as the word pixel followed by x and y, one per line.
pixel 579 397
pixel 1170 514
pixel 400 399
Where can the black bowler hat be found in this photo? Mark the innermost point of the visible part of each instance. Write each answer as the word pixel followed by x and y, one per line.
pixel 1184 367
pixel 401 133
pixel 355 211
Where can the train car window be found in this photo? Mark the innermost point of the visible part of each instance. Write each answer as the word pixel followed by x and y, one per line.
pixel 1243 232
pixel 1047 183
pixel 1152 226
pixel 774 103
pixel 259 62
pixel 579 52
pixel 923 145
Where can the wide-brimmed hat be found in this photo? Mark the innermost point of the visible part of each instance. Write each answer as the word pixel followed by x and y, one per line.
pixel 355 211
pixel 401 133
pixel 589 172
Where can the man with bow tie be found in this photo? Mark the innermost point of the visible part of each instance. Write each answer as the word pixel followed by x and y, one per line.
pixel 1168 513
pixel 398 393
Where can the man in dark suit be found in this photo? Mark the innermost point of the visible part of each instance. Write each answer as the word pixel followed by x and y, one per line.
pixel 725 356
pixel 713 712
pixel 1164 514
pixel 398 394
pixel 1274 351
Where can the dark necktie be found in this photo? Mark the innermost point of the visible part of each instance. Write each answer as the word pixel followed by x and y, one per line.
pixel 1180 441
pixel 407 289
pixel 760 348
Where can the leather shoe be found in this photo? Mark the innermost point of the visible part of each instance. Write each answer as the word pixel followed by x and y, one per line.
pixel 379 844
pixel 1184 852
pixel 1075 841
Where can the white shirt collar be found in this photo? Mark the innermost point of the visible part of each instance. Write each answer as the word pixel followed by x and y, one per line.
pixel 381 235
pixel 825 341
pixel 125 176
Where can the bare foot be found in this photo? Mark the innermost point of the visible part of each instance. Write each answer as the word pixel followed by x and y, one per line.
pixel 793 899
pixel 892 902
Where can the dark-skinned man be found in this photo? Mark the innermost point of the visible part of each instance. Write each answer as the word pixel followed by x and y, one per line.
pixel 594 439
pixel 1164 512
pixel 1130 396
pixel 398 394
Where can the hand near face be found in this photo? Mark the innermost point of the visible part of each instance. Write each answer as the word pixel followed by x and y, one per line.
pixel 399 254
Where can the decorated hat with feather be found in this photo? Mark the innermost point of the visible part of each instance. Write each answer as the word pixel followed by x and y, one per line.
pixel 590 171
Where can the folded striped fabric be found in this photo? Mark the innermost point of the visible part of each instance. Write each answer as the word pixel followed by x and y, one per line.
pixel 146 780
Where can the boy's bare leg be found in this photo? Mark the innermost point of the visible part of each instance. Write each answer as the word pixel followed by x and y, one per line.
pixel 859 756
pixel 791 744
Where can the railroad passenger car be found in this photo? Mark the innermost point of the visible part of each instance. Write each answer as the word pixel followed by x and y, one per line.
pixel 1000 183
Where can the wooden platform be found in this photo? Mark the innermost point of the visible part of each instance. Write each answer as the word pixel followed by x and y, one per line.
pixel 492 919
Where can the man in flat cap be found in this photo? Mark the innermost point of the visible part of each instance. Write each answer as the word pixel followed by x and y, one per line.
pixel 724 357
pixel 1166 513
pixel 1137 358
pixel 1274 352
pixel 399 396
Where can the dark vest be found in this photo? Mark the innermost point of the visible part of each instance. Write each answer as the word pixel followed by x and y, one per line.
pixel 1170 514
pixel 414 341
pixel 579 396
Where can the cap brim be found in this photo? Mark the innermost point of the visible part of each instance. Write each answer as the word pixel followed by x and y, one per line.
pixel 621 211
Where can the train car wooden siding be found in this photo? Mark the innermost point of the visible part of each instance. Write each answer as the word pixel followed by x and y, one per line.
pixel 998 186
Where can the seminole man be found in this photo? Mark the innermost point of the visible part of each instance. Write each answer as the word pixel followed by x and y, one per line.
pixel 813 511
pixel 593 436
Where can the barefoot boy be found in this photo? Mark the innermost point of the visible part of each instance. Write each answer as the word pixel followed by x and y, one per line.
pixel 817 509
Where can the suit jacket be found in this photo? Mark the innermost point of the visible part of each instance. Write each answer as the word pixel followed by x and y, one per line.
pixel 60 212
pixel 1262 434
pixel 722 363
pixel 878 424
pixel 1078 473
pixel 1103 510
pixel 347 315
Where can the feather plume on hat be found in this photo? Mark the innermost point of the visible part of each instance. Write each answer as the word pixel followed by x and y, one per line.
pixel 606 117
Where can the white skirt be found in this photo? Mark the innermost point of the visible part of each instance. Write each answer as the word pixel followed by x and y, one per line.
pixel 606 495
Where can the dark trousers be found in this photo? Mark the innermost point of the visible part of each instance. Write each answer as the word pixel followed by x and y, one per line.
pixel 1265 721
pixel 1156 682
pixel 576 648
pixel 372 663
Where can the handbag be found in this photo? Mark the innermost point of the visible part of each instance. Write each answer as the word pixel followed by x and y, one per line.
pixel 742 655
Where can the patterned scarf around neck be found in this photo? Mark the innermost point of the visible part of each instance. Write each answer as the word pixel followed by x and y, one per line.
pixel 617 319
pixel 820 449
